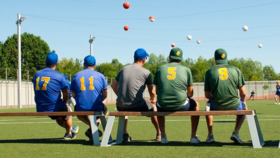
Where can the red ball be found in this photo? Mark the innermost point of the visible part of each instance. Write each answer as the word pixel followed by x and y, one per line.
pixel 126 28
pixel 126 5
pixel 172 45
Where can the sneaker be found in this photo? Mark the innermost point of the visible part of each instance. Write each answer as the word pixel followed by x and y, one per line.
pixel 235 137
pixel 164 141
pixel 195 140
pixel 279 103
pixel 68 136
pixel 276 102
pixel 126 138
pixel 74 131
pixel 210 139
pixel 158 137
pixel 89 135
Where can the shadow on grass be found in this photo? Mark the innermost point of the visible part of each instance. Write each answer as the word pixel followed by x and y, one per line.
pixel 269 143
pixel 48 141
pixel 224 121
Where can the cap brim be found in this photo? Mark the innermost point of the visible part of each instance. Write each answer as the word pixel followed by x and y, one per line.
pixel 176 58
pixel 224 61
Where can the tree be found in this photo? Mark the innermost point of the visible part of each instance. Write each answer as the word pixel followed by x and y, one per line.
pixel 33 53
pixel 269 73
pixel 70 66
pixel 107 69
pixel 199 69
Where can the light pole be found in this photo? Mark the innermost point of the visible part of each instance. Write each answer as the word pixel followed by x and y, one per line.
pixel 18 22
pixel 90 41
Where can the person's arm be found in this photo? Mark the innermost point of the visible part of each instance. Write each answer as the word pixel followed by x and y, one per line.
pixel 208 94
pixel 242 93
pixel 65 95
pixel 152 93
pixel 190 91
pixel 104 94
pixel 73 94
pixel 115 86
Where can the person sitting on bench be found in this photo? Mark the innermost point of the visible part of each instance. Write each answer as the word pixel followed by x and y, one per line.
pixel 48 85
pixel 221 86
pixel 172 80
pixel 129 86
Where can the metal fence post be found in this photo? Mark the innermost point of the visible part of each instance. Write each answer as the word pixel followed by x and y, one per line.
pixel 27 88
pixel 7 89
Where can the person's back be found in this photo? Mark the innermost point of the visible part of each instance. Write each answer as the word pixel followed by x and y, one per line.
pixel 172 80
pixel 223 82
pixel 132 82
pixel 47 86
pixel 88 85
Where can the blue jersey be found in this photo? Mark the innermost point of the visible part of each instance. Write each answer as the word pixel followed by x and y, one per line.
pixel 48 85
pixel 252 93
pixel 87 86
pixel 278 88
pixel 68 85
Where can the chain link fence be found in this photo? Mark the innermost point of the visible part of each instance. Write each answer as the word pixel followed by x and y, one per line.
pixel 9 89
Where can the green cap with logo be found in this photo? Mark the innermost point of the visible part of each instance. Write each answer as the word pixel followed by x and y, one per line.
pixel 221 56
pixel 176 53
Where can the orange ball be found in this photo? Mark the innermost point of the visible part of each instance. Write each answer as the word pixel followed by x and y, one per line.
pixel 126 5
pixel 172 45
pixel 126 28
pixel 152 18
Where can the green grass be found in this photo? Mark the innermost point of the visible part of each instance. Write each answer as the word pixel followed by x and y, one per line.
pixel 41 137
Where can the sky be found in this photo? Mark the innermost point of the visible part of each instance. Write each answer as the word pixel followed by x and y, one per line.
pixel 66 26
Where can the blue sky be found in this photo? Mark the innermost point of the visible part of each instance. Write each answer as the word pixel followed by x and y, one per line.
pixel 66 26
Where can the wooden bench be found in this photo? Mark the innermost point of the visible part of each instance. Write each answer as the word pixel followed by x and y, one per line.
pixel 254 127
pixel 92 118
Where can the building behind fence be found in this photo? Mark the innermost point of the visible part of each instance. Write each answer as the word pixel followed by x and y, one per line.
pixel 8 92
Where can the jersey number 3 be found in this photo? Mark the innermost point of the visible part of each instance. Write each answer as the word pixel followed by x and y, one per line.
pixel 223 73
pixel 171 73
pixel 44 87
pixel 83 88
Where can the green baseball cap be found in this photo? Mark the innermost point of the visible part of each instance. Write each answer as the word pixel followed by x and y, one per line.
pixel 221 56
pixel 176 53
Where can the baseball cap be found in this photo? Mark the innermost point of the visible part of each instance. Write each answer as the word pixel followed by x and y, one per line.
pixel 140 53
pixel 176 53
pixel 52 58
pixel 89 60
pixel 66 77
pixel 221 56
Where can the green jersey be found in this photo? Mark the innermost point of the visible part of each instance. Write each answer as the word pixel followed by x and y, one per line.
pixel 223 82
pixel 172 80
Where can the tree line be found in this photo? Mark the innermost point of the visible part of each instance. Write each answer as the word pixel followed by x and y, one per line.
pixel 34 51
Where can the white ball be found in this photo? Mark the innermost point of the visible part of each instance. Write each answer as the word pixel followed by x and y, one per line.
pixel 189 37
pixel 245 28
pixel 198 41
pixel 260 46
pixel 152 20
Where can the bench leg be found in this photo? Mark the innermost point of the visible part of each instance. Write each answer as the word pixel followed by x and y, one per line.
pixel 94 130
pixel 120 130
pixel 255 131
pixel 107 132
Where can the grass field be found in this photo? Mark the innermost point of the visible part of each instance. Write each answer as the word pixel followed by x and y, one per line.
pixel 41 137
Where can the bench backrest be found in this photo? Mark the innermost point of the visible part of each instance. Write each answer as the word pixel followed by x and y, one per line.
pixel 183 113
pixel 80 113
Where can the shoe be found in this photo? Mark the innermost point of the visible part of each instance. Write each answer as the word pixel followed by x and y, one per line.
pixel 210 139
pixel 235 137
pixel 276 102
pixel 89 135
pixel 158 137
pixel 126 138
pixel 279 103
pixel 68 136
pixel 164 141
pixel 195 140
pixel 75 131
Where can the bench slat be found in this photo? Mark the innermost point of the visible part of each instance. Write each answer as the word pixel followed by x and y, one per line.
pixel 80 113
pixel 183 113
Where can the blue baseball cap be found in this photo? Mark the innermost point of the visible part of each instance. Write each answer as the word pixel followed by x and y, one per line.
pixel 66 77
pixel 89 60
pixel 52 58
pixel 140 53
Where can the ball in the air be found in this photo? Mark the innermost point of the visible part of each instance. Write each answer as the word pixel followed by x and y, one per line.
pixel 125 27
pixel 260 45
pixel 198 41
pixel 189 37
pixel 152 18
pixel 126 5
pixel 172 45
pixel 245 28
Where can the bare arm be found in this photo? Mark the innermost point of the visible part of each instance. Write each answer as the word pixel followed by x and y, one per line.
pixel 73 94
pixel 65 95
pixel 156 89
pixel 208 94
pixel 190 91
pixel 242 93
pixel 115 86
pixel 152 93
pixel 104 94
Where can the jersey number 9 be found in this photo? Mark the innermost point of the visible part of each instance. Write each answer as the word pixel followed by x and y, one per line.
pixel 223 73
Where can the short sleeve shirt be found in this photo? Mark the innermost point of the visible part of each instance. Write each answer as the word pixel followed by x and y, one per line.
pixel 132 82
pixel 223 82
pixel 172 80
pixel 48 85
pixel 88 86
